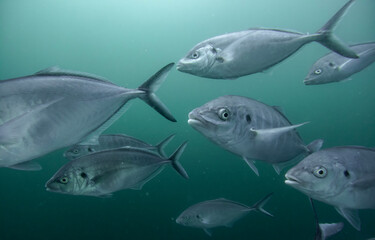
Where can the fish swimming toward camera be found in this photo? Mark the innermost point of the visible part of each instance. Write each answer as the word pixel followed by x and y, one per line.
pixel 325 230
pixel 57 108
pixel 251 129
pixel 343 177
pixel 237 54
pixel 218 213
pixel 334 67
pixel 113 141
pixel 105 172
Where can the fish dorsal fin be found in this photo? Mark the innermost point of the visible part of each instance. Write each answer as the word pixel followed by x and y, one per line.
pixel 276 30
pixel 57 71
pixel 351 215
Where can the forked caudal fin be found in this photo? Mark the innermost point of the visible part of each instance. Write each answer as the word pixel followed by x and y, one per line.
pixel 326 37
pixel 258 206
pixel 150 86
pixel 174 160
pixel 160 146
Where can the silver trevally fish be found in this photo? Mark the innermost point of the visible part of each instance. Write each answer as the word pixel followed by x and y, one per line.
pixel 113 141
pixel 218 212
pixel 251 129
pixel 246 52
pixel 56 108
pixel 105 172
pixel 340 176
pixel 334 67
pixel 325 230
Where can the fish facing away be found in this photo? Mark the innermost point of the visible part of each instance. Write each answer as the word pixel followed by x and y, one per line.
pixel 105 172
pixel 56 108
pixel 250 129
pixel 237 54
pixel 334 67
pixel 324 230
pixel 218 213
pixel 340 176
pixel 113 141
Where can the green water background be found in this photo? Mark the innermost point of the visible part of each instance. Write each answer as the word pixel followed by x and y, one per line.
pixel 126 42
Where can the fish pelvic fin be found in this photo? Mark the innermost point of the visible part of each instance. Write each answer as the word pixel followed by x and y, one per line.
pixel 150 86
pixel 258 206
pixel 351 215
pixel 160 146
pixel 174 160
pixel 325 36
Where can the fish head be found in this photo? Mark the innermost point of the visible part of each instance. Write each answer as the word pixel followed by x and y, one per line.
pixel 190 218
pixel 221 120
pixel 319 176
pixel 69 180
pixel 322 72
pixel 78 150
pixel 198 61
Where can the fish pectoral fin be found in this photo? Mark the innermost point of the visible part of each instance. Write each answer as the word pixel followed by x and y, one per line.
pixel 208 231
pixel 351 215
pixel 13 130
pixel 250 163
pixel 27 166
pixel 270 133
pixel 364 183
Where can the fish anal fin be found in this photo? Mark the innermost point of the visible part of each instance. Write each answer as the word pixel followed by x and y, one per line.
pixel 27 166
pixel 250 163
pixel 208 231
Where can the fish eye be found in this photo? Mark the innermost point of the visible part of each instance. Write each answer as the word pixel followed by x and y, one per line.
pixel 223 114
pixel 64 180
pixel 321 172
pixel 318 71
pixel 75 151
pixel 195 55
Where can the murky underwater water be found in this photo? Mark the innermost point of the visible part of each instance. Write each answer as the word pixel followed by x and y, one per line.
pixel 126 42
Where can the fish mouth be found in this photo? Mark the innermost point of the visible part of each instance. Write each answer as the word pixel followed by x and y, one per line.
pixel 194 120
pixel 291 180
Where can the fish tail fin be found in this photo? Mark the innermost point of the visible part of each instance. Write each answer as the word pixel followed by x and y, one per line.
pixel 160 146
pixel 174 160
pixel 329 40
pixel 258 206
pixel 150 86
pixel 315 145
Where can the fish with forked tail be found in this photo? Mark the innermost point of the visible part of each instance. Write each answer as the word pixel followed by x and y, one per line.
pixel 237 54
pixel 57 108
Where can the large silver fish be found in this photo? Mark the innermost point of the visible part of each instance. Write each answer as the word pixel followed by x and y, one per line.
pixel 113 141
pixel 54 108
pixel 218 213
pixel 105 172
pixel 242 53
pixel 250 129
pixel 340 176
pixel 334 67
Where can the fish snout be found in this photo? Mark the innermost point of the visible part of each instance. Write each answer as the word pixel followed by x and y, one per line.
pixel 291 179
